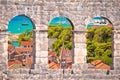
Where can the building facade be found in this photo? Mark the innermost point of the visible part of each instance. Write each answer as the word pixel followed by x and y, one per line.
pixel 41 12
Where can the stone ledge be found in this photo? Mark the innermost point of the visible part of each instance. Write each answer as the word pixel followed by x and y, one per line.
pixel 57 75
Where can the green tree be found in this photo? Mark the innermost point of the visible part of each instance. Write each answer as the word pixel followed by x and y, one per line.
pixel 9 42
pixel 99 43
pixel 25 36
pixel 63 35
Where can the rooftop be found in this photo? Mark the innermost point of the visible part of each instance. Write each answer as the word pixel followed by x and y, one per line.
pixel 54 65
pixel 10 47
pixel 26 43
pixel 18 49
pixel 100 65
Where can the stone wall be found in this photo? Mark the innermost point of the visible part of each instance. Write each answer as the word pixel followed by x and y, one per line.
pixel 41 12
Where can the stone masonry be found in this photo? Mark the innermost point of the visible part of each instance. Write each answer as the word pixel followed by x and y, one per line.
pixel 41 12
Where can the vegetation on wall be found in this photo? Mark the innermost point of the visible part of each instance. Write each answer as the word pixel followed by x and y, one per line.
pixel 25 36
pixel 63 35
pixel 99 44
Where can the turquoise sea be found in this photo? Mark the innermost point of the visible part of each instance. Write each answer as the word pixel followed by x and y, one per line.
pixel 19 24
pixel 15 43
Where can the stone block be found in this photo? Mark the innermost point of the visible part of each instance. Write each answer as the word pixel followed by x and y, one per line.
pixel 41 11
pixel 77 71
pixel 116 53
pixel 37 54
pixel 80 52
pixel 79 59
pixel 41 66
pixel 95 71
pixel 37 60
pixel 44 53
pixel 40 54
pixel 76 66
pixel 44 60
pixel 79 37
pixel 114 72
pixel 67 71
pixel 4 2
pixel 117 46
pixel 37 46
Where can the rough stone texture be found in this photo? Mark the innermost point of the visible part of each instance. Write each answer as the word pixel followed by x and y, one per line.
pixel 41 12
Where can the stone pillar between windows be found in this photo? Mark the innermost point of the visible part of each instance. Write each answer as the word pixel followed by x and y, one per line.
pixel 41 56
pixel 3 50
pixel 80 51
pixel 116 50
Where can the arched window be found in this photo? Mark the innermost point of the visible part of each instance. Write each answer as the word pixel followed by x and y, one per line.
pixel 60 43
pixel 99 43
pixel 20 40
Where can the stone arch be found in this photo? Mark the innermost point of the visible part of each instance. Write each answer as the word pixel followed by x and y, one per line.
pixel 31 19
pixel 31 43
pixel 66 14
pixel 103 21
pixel 72 37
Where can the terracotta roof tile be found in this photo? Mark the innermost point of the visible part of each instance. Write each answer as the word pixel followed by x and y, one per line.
pixel 19 55
pixel 53 53
pixel 26 43
pixel 54 65
pixel 10 47
pixel 64 52
pixel 68 59
pixel 100 65
pixel 10 63
pixel 28 61
pixel 96 62
pixel 18 49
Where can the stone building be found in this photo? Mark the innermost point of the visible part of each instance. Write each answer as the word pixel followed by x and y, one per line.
pixel 41 12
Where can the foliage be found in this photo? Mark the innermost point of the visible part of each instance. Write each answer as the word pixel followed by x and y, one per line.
pixel 99 43
pixel 63 35
pixel 25 36
pixel 9 42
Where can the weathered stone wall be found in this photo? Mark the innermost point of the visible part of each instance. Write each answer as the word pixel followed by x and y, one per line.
pixel 41 12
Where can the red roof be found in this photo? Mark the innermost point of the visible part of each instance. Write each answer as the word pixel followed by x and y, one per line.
pixel 53 53
pixel 64 52
pixel 54 65
pixel 96 62
pixel 68 59
pixel 94 26
pixel 18 55
pixel 10 63
pixel 100 65
pixel 10 47
pixel 26 43
pixel 18 49
pixel 28 61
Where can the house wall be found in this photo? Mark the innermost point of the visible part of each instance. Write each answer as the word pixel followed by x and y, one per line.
pixel 41 12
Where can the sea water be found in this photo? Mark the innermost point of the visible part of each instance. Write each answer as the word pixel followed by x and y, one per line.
pixel 15 43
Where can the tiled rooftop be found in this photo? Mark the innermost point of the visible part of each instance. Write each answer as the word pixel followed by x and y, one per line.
pixel 13 63
pixel 10 47
pixel 26 43
pixel 18 49
pixel 52 53
pixel 54 65
pixel 100 65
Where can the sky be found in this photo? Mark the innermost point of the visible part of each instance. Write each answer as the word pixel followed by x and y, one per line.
pixel 19 24
pixel 97 21
pixel 60 20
